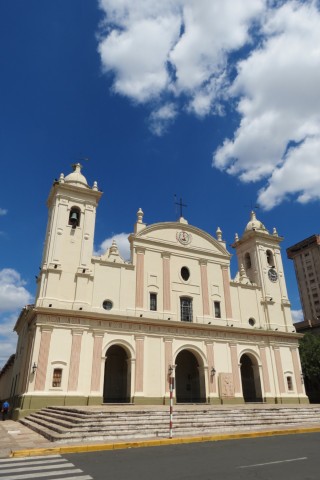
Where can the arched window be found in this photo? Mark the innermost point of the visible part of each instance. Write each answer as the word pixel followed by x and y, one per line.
pixel 247 261
pixel 74 217
pixel 270 259
pixel 186 309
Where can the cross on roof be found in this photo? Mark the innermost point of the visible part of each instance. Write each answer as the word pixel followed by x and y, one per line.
pixel 180 204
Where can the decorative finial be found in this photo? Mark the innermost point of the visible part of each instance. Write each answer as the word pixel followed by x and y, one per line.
pixel 114 248
pixel 236 237
pixel 77 167
pixel 253 215
pixel 140 216
pixel 242 271
pixel 95 186
pixel 274 232
pixel 61 178
pixel 219 234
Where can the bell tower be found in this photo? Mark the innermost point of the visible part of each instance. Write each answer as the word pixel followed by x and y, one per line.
pixel 68 246
pixel 259 256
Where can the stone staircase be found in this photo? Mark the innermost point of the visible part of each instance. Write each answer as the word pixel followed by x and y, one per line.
pixel 110 423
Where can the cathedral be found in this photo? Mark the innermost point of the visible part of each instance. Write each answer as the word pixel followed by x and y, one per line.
pixel 106 330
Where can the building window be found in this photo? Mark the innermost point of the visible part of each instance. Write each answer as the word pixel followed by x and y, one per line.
pixel 217 309
pixel 270 259
pixel 153 301
pixel 290 384
pixel 185 274
pixel 252 322
pixel 247 261
pixel 57 377
pixel 74 217
pixel 107 305
pixel 186 309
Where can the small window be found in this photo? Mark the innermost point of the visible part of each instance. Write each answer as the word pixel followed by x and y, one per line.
pixel 247 261
pixel 185 274
pixel 107 305
pixel 252 322
pixel 186 309
pixel 74 217
pixel 153 301
pixel 270 259
pixel 289 383
pixel 217 309
pixel 57 377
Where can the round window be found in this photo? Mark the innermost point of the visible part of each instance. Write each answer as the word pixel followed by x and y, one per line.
pixel 185 274
pixel 252 322
pixel 107 304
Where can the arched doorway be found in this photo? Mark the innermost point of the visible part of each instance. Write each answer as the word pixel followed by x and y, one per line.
pixel 116 387
pixel 250 377
pixel 190 385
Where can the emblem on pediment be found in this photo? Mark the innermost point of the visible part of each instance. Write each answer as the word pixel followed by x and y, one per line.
pixel 184 237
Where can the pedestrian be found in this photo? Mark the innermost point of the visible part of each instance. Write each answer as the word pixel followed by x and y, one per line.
pixel 4 410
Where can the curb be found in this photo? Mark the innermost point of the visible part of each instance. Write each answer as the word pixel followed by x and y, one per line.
pixel 158 442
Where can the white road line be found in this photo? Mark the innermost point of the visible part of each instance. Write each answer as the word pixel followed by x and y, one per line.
pixel 34 462
pixel 34 469
pixel 273 463
pixel 38 475
pixel 23 459
pixel 82 477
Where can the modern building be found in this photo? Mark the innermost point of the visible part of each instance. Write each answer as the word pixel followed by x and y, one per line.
pixel 306 258
pixel 106 330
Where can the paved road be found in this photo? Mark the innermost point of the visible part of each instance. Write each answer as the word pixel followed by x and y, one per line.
pixel 292 457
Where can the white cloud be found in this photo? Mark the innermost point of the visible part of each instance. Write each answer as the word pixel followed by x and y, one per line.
pixel 181 55
pixel 13 294
pixel 8 338
pixel 3 211
pixel 122 242
pixel 297 316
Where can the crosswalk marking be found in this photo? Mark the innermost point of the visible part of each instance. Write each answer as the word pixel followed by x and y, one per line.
pixel 40 467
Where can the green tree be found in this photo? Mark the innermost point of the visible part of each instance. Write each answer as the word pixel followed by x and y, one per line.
pixel 310 356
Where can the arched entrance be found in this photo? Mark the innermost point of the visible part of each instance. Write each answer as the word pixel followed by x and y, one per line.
pixel 116 388
pixel 250 377
pixel 190 385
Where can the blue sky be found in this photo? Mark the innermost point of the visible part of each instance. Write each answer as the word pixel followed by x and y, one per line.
pixel 212 100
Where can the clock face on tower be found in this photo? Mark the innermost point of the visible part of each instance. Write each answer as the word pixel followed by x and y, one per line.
pixel 272 274
pixel 184 237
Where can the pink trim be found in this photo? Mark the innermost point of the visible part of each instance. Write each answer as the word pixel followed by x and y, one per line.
pixel 139 364
pixel 235 368
pixel 168 362
pixel 226 289
pixel 166 284
pixel 96 363
pixel 139 279
pixel 265 373
pixel 43 359
pixel 204 288
pixel 296 368
pixel 212 378
pixel 279 368
pixel 74 361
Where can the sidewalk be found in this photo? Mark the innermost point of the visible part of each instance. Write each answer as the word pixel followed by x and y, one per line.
pixel 18 440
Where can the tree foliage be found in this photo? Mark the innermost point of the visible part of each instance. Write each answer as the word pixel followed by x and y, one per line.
pixel 310 356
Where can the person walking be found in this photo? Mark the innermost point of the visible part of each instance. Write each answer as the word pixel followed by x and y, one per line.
pixel 4 410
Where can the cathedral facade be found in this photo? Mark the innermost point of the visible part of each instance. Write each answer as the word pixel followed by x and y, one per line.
pixel 106 330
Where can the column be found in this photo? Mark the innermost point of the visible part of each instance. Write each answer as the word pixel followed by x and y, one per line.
pixel 43 358
pixel 139 278
pixel 279 369
pixel 265 372
pixel 296 369
pixel 139 363
pixel 235 368
pixel 226 290
pixel 204 287
pixel 166 282
pixel 211 378
pixel 167 361
pixel 75 360
pixel 96 361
